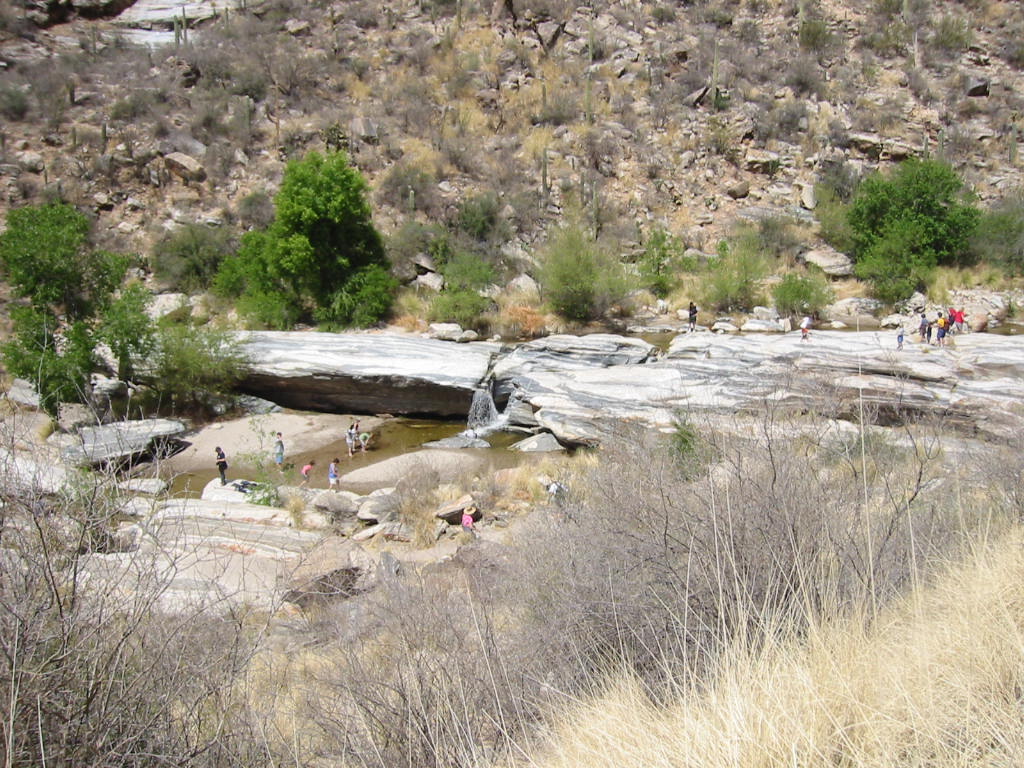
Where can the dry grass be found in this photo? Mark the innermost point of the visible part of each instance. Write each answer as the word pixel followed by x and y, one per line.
pixel 935 681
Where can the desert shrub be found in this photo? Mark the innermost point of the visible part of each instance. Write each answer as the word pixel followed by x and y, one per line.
pixel 734 278
pixel 815 36
pixel 778 236
pixel 479 216
pixel 13 103
pixel 410 187
pixel 804 76
pixel 802 294
pixel 889 41
pixel 1013 52
pixel 580 278
pixel 783 121
pixel 188 257
pixel 999 237
pixel 951 34
pixel 459 305
pixel 833 224
pixel 131 107
pixel 663 14
pixel 256 210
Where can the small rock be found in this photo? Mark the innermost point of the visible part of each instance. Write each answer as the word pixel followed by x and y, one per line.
pixel 542 443
pixel 185 167
pixel 738 190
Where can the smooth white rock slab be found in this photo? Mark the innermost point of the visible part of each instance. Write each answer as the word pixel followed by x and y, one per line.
pixel 364 373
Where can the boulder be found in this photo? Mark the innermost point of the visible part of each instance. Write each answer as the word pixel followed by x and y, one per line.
pixel 185 167
pixel 766 313
pixel 149 486
pixel 335 569
pixel 542 443
pixel 754 325
pixel 853 307
pixel 451 512
pixel 738 190
pixel 379 509
pixel 445 331
pixel 458 442
pixel 724 326
pixel 337 504
pixel 431 281
pixel 23 393
pixel 830 261
pixel 364 373
pixel 392 531
pixel 448 466
pixel 124 442
pixel 563 353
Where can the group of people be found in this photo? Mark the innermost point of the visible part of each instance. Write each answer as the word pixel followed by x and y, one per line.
pixel 944 325
pixel 353 436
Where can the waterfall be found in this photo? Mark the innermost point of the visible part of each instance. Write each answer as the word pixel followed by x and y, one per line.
pixel 484 417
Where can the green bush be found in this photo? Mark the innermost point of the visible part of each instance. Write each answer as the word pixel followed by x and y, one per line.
pixel 188 258
pixel 466 270
pixel 907 223
pixel 815 36
pixel 833 224
pixel 580 279
pixel 256 209
pixel 479 216
pixel 409 187
pixel 195 367
pixel 801 294
pixel 1000 235
pixel 951 34
pixel 460 306
pixel 661 262
pixel 735 278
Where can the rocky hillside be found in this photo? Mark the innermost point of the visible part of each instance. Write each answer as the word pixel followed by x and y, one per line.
pixel 691 115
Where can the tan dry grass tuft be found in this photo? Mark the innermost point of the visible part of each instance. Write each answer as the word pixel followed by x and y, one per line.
pixel 934 681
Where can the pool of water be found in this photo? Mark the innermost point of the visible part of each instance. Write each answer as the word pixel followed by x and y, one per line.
pixel 393 438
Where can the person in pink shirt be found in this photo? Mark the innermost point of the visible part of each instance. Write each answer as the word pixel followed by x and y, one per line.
pixel 467 520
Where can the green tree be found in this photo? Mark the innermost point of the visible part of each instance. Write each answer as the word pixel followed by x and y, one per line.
pixel 580 278
pixel 46 255
pixel 128 330
pixel 66 288
pixel 906 223
pixel 1000 236
pixel 321 257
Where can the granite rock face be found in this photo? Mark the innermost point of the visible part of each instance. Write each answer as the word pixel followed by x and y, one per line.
pixel 123 441
pixel 567 353
pixel 976 386
pixel 364 373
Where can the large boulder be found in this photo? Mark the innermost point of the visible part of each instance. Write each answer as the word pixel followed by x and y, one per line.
pixel 124 442
pixel 364 373
pixel 447 466
pixel 830 261
pixel 567 353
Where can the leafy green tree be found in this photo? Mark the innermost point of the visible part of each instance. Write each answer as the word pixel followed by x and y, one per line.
pixel 46 256
pixel 66 287
pixel 580 278
pixel 128 330
pixel 321 257
pixel 905 224
pixel 735 276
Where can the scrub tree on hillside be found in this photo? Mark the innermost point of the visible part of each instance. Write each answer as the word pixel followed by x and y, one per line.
pixel 321 258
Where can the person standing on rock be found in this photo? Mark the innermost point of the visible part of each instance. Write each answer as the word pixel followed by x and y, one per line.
pixel 899 340
pixel 924 329
pixel 222 465
pixel 332 475
pixel 940 330
pixel 805 328
pixel 693 317
pixel 305 472
pixel 279 452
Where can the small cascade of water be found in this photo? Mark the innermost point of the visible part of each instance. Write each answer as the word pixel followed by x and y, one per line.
pixel 484 417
